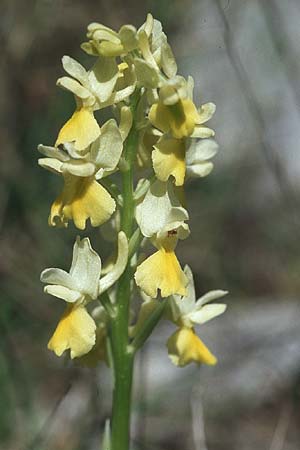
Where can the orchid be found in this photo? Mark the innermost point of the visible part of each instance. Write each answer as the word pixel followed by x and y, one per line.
pixel 76 329
pixel 184 346
pixel 127 176
pixel 161 218
pixel 83 197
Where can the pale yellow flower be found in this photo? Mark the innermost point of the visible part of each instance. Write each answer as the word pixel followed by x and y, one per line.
pixel 106 42
pixel 176 113
pixel 77 330
pixel 161 271
pixel 98 352
pixel 168 159
pixel 161 218
pixel 100 86
pixel 82 198
pixel 185 347
pixel 160 212
pixel 179 119
pixel 81 130
pixel 183 158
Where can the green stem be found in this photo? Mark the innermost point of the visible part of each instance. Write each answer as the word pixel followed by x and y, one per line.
pixel 123 358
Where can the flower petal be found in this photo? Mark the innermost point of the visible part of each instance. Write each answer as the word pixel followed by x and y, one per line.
pixel 103 77
pixel 199 170
pixel 98 31
pixel 53 152
pixel 206 112
pixel 106 151
pixel 190 87
pixel 158 116
pixel 202 132
pixel 64 293
pixel 168 159
pixel 128 36
pixel 168 61
pixel 146 74
pixel 180 118
pixel 161 271
pixel 183 117
pixel 206 313
pixel 197 157
pixel 81 199
pixel 148 24
pixel 74 68
pixel 210 296
pixel 185 347
pixel 86 268
pixel 82 129
pixel 109 49
pixel 184 305
pixel 201 151
pixel 57 276
pixel 51 164
pixel 98 352
pixel 145 48
pixel 114 274
pixel 159 208
pixel 79 168
pixel 73 86
pixel 76 331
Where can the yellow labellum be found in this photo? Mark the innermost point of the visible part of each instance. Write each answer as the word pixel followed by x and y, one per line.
pixel 76 331
pixel 180 119
pixel 82 129
pixel 82 198
pixel 185 347
pixel 168 159
pixel 98 352
pixel 161 271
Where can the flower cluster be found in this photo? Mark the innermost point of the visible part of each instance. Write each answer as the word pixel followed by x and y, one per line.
pixel 133 72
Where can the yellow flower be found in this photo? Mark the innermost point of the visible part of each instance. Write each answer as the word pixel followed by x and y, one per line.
pixel 161 218
pixel 75 331
pixel 180 118
pixel 109 43
pixel 98 352
pixel 162 271
pixel 185 347
pixel 82 198
pixel 168 158
pixel 81 129
pixel 182 158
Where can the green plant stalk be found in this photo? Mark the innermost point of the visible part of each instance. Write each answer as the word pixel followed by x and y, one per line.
pixel 123 357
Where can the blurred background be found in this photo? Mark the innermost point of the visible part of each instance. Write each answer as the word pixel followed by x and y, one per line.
pixel 244 56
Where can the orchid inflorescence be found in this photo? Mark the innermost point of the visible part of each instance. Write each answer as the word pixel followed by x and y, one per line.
pixel 157 141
